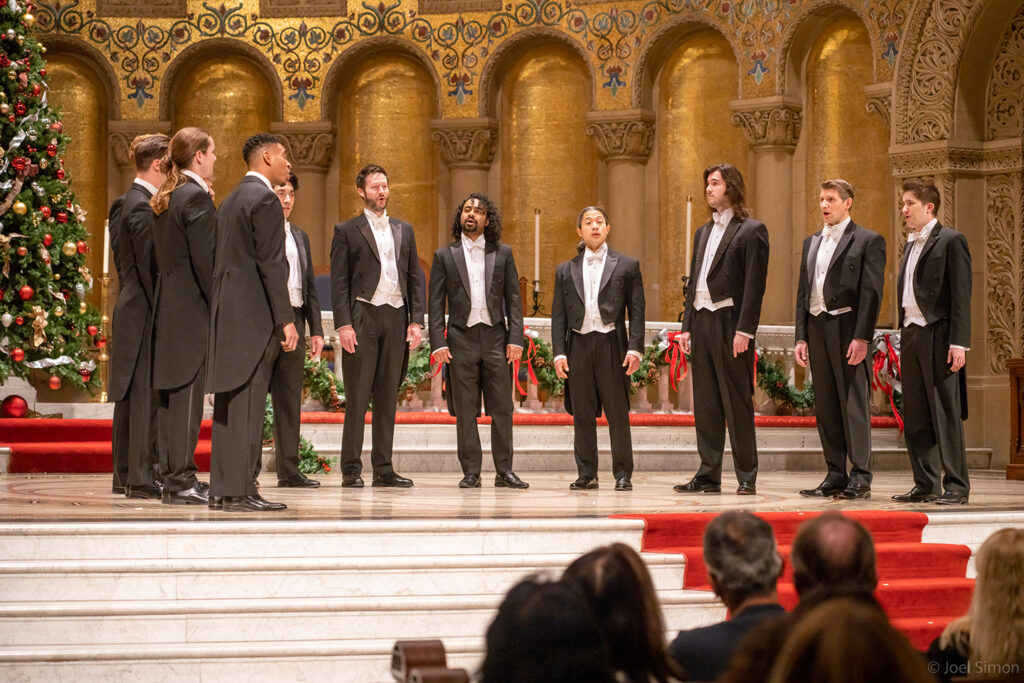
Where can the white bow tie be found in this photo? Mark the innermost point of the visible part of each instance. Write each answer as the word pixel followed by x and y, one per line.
pixel 832 232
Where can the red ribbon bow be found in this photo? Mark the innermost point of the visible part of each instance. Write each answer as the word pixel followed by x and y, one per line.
pixel 531 353
pixel 675 359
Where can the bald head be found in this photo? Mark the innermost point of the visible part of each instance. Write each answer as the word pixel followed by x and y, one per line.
pixel 833 552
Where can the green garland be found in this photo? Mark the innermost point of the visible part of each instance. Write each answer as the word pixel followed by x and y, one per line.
pixel 418 372
pixel 773 380
pixel 322 385
pixel 310 462
pixel 543 367
pixel 648 372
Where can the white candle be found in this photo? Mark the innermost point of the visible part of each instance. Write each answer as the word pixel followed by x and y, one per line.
pixel 536 250
pixel 689 227
pixel 106 246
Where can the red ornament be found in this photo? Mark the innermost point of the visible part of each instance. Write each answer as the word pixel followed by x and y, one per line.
pixel 85 375
pixel 22 250
pixel 45 211
pixel 62 218
pixel 11 118
pixel 60 174
pixel 14 406
pixel 82 246
pixel 36 89
pixel 92 330
pixel 26 293
pixel 47 238
pixel 19 320
pixel 54 382
pixel 101 342
pixel 19 163
pixel 56 126
pixel 17 355
pixel 51 150
pixel 42 72
pixel 20 109
pixel 4 61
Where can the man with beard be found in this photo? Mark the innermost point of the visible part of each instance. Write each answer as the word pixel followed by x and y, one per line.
pixel 723 307
pixel 378 309
pixel 594 352
pixel 476 276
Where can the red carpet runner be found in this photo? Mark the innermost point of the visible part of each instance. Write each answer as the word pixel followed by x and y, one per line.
pixel 64 446
pixel 922 586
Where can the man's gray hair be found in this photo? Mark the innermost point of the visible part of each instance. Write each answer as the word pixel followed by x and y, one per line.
pixel 740 553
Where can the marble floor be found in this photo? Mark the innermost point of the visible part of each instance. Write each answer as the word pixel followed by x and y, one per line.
pixel 87 497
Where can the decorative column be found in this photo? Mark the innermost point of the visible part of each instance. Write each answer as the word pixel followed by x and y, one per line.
pixel 310 148
pixel 624 140
pixel 772 125
pixel 121 134
pixel 467 148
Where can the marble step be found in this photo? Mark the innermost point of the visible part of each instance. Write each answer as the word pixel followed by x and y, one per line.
pixel 279 620
pixel 351 538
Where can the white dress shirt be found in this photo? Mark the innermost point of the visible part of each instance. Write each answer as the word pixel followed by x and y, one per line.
pixel 196 177
pixel 153 189
pixel 912 314
pixel 388 291
pixel 291 252
pixel 703 299
pixel 474 251
pixel 830 236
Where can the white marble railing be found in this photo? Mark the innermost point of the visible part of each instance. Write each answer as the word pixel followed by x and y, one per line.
pixel 775 342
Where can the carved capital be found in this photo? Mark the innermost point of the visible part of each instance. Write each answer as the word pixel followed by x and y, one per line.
pixel 467 142
pixel 622 134
pixel 121 134
pixel 309 145
pixel 880 100
pixel 769 121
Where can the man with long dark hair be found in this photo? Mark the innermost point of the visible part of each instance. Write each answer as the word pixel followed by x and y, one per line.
pixel 476 277
pixel 723 307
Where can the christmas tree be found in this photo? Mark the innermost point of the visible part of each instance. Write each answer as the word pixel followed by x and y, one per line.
pixel 48 327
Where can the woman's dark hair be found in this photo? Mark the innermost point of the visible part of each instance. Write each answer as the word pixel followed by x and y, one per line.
pixel 492 233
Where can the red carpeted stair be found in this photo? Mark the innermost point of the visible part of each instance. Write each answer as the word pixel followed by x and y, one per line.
pixel 922 586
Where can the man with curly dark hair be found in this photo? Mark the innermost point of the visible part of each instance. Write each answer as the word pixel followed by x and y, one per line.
pixel 475 277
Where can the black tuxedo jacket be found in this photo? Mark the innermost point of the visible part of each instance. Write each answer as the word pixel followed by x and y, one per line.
pixel 250 283
pixel 739 270
pixel 131 238
pixel 449 283
pixel 854 279
pixel 622 289
pixel 942 282
pixel 310 301
pixel 184 239
pixel 355 268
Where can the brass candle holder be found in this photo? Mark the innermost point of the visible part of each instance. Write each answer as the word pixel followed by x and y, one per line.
pixel 104 325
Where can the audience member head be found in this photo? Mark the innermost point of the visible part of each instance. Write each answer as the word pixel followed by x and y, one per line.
pixel 545 631
pixel 846 641
pixel 190 149
pixel 616 581
pixel 992 631
pixel 833 552
pixel 741 556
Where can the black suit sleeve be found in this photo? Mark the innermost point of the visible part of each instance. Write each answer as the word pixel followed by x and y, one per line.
pixel 200 222
pixel 959 275
pixel 438 297
pixel 413 285
pixel 636 309
pixel 140 227
pixel 802 295
pixel 755 275
pixel 268 240
pixel 311 305
pixel 340 278
pixel 559 318
pixel 872 280
pixel 513 301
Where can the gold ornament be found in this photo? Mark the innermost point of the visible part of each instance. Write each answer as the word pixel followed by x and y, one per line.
pixel 69 249
pixel 58 311
pixel 12 74
pixel 56 276
pixel 83 308
pixel 42 48
pixel 19 208
pixel 28 19
pixel 43 163
pixel 5 108
pixel 20 39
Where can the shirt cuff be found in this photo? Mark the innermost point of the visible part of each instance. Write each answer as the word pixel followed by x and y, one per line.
pixel 638 355
pixel 962 348
pixel 745 334
pixel 518 346
pixel 436 350
pixel 557 357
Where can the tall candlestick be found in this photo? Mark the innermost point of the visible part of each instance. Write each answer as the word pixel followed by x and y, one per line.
pixel 536 250
pixel 689 227
pixel 106 246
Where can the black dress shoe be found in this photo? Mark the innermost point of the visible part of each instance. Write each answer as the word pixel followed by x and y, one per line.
pixel 154 490
pixel 392 479
pixel 509 480
pixel 623 484
pixel 825 489
pixel 302 482
pixel 216 503
pixel 583 483
pixel 351 481
pixel 252 503
pixel 915 495
pixel 118 490
pixel 855 491
pixel 746 488
pixel 192 496
pixel 203 487
pixel 696 485
pixel 470 481
pixel 952 498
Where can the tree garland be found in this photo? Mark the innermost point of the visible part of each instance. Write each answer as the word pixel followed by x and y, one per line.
pixel 310 462
pixel 541 356
pixel 322 385
pixel 419 371
pixel 774 382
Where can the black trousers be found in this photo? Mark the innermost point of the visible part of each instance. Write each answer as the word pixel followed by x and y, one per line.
pixel 479 365
pixel 178 420
pixel 374 372
pixel 238 428
pixel 842 394
pixel 286 377
pixel 596 379
pixel 932 410
pixel 136 452
pixel 723 390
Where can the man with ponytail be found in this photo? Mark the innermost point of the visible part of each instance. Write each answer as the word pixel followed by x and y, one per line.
pixel 251 322
pixel 184 239
pixel 136 458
